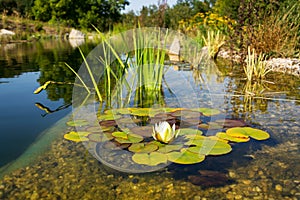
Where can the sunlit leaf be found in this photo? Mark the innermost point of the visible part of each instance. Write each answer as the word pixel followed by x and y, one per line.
pixel 142 148
pixel 207 111
pixel 185 157
pixel 151 159
pixel 79 122
pixel 100 137
pixel 210 147
pixel 166 148
pixel 76 136
pixel 123 137
pixel 248 131
pixel 189 131
pixel 225 136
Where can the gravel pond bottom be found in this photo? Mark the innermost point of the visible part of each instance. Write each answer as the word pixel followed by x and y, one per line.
pixel 68 171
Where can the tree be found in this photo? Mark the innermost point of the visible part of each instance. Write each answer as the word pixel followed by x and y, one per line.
pixel 80 13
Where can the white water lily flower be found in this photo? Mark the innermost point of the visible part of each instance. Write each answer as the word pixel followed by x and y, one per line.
pixel 163 132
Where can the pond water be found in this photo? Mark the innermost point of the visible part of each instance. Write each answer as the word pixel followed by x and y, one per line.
pixel 23 67
pixel 253 170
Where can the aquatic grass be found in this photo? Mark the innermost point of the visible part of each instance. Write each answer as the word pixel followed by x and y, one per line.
pixel 214 40
pixel 255 66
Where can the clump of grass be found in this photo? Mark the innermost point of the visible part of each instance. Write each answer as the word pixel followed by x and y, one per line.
pixel 255 67
pixel 276 37
pixel 214 40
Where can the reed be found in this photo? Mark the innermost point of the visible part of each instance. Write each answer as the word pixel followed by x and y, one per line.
pixel 214 40
pixel 255 66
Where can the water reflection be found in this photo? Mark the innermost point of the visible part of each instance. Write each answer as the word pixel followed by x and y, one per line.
pixel 23 68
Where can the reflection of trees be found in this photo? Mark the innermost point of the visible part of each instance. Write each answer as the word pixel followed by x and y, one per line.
pixel 52 67
pixel 48 57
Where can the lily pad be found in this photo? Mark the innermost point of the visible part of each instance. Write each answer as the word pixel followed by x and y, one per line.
pixel 143 148
pixel 189 131
pixel 210 147
pixel 191 121
pixel 123 111
pixel 145 131
pixel 230 123
pixel 108 123
pixel 110 116
pixel 79 122
pixel 185 157
pixel 225 136
pixel 123 137
pixel 248 131
pixel 100 129
pixel 128 120
pixel 203 126
pixel 100 137
pixel 76 136
pixel 166 148
pixel 186 114
pixel 207 111
pixel 140 111
pixel 152 159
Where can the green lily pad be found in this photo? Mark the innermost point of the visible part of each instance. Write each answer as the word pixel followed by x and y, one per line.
pixel 123 111
pixel 142 148
pixel 189 131
pixel 76 136
pixel 79 122
pixel 185 157
pixel 140 111
pixel 152 159
pixel 203 126
pixel 123 137
pixel 100 137
pixel 225 136
pixel 210 147
pixel 248 131
pixel 207 111
pixel 166 148
pixel 110 116
pixel 128 120
pixel 194 137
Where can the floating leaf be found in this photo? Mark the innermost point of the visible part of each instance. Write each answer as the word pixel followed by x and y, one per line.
pixel 166 148
pixel 123 111
pixel 100 137
pixel 185 157
pixel 203 126
pixel 108 123
pixel 142 148
pixel 76 136
pixel 191 121
pixel 100 129
pixel 145 131
pixel 123 137
pixel 248 131
pixel 186 113
pixel 151 159
pixel 207 111
pixel 110 116
pixel 210 147
pixel 229 123
pixel 225 136
pixel 128 120
pixel 79 122
pixel 140 111
pixel 189 131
